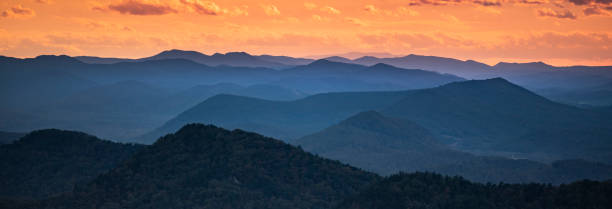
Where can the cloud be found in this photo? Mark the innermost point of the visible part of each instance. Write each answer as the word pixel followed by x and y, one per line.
pixel 401 11
pixel 310 6
pixel 44 1
pixel 371 9
pixel 18 11
pixel 317 18
pixel 330 10
pixel 211 8
pixel 597 10
pixel 271 10
pixel 356 21
pixel 488 2
pixel 454 2
pixel 536 2
pixel 547 12
pixel 204 7
pixel 589 2
pixel 138 7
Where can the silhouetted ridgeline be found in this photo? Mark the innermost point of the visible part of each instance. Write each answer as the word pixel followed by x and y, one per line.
pixel 154 90
pixel 49 162
pixel 208 167
pixel 427 190
pixel 202 166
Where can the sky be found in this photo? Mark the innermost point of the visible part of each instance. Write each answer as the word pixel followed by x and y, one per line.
pixel 558 32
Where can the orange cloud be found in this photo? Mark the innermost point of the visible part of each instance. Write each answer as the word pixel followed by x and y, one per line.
pixel 597 10
pixel 18 11
pixel 204 7
pixel 139 7
pixel 547 12
pixel 310 5
pixel 330 10
pixel 271 10
pixel 589 2
pixel 44 1
pixel 537 2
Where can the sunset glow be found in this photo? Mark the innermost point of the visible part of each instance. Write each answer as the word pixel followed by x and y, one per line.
pixel 574 32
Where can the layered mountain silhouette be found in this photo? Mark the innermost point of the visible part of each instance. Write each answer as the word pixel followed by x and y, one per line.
pixel 473 115
pixel 207 167
pixel 428 190
pixel 387 146
pixel 122 100
pixel 49 162
pixel 495 114
pixel 281 119
pixel 468 69
pixel 240 59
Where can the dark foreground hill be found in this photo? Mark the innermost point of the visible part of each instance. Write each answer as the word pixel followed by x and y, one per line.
pixel 427 190
pixel 387 146
pixel 208 167
pixel 49 162
pixel 8 137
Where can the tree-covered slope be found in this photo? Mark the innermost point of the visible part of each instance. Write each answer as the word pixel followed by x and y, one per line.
pixel 208 167
pixel 49 162
pixel 433 191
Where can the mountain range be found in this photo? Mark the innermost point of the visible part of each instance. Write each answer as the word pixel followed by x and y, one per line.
pixel 203 166
pixel 123 100
pixel 387 146
pixel 208 167
pixel 492 116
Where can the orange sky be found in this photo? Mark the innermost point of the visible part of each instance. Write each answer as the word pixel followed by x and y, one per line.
pixel 560 32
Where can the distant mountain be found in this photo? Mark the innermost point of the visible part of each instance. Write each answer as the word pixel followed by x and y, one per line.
pixel 427 190
pixel 467 69
pixel 282 119
pixel 102 60
pixel 42 85
pixel 353 77
pixel 208 167
pixel 496 114
pixel 337 59
pixel 354 55
pixel 387 146
pixel 492 116
pixel 8 137
pixel 239 59
pixel 50 162
pixel 285 60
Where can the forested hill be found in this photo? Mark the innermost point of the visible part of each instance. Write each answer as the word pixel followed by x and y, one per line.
pixel 49 162
pixel 428 191
pixel 208 167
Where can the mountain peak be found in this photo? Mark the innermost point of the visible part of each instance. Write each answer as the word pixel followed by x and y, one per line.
pixel 211 167
pixel 177 52
pixel 382 66
pixel 338 59
pixel 321 62
pixel 56 59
